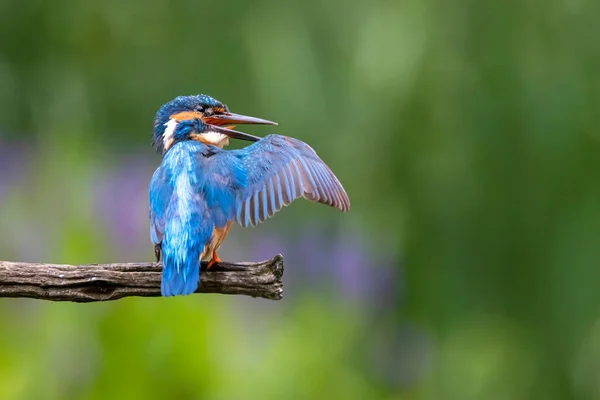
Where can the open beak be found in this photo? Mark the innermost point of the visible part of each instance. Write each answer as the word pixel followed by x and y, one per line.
pixel 216 122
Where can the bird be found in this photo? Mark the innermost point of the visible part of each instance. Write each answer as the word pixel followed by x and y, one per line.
pixel 200 188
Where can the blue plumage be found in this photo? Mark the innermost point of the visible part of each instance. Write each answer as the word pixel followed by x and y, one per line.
pixel 191 194
pixel 199 188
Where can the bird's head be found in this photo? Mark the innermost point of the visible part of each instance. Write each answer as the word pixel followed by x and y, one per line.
pixel 200 118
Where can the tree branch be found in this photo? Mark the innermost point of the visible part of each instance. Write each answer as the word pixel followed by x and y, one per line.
pixel 104 282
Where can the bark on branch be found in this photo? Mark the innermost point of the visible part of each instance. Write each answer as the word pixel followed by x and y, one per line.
pixel 104 282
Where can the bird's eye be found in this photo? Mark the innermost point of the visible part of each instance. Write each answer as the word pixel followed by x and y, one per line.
pixel 199 109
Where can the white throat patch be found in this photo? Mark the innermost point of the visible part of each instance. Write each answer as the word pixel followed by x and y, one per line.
pixel 168 136
pixel 215 138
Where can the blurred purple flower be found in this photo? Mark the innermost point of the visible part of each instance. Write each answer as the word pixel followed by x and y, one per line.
pixel 343 262
pixel 267 247
pixel 14 161
pixel 351 266
pixel 121 202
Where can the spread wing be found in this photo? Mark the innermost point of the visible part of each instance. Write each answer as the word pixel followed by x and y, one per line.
pixel 280 169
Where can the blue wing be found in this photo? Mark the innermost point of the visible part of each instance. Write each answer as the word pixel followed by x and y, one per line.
pixel 280 169
pixel 224 177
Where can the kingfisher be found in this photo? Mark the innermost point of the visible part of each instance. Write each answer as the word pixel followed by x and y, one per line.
pixel 200 188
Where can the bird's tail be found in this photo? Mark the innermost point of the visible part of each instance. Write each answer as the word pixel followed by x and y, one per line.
pixel 181 261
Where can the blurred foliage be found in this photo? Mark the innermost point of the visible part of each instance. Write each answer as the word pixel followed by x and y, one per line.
pixel 465 133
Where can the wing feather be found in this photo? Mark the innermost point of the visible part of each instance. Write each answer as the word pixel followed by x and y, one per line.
pixel 329 185
pixel 288 191
pixel 318 185
pixel 272 205
pixel 247 212
pixel 279 170
pixel 293 183
pixel 263 208
pixel 278 185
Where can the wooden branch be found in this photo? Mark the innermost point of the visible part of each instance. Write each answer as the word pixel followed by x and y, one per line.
pixel 104 282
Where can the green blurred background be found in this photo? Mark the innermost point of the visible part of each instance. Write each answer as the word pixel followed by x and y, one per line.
pixel 465 133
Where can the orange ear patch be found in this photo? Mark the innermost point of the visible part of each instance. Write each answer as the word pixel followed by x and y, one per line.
pixel 185 115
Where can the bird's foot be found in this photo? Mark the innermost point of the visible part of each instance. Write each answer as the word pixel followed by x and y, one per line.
pixel 215 259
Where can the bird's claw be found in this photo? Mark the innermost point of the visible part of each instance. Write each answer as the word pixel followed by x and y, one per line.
pixel 214 260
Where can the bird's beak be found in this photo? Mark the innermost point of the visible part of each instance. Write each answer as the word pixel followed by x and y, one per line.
pixel 216 121
pixel 233 119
